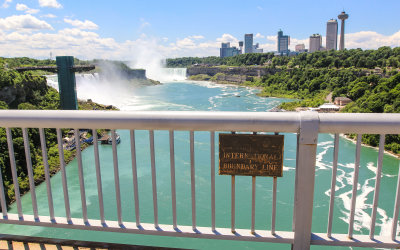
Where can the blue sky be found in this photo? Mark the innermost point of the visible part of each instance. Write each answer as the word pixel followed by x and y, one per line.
pixel 128 29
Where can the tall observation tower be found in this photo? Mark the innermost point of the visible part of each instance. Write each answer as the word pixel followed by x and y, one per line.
pixel 343 16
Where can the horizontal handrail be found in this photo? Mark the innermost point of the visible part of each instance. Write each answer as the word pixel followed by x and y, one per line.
pixel 366 123
pixel 153 120
pixel 360 123
pixel 307 125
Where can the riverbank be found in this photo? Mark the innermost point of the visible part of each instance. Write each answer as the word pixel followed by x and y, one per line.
pixel 388 152
pixel 222 78
pixel 252 83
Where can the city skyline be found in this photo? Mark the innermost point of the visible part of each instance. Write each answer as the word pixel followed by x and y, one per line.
pixel 37 27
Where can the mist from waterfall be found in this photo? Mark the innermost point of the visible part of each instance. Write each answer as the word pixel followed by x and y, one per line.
pixel 105 91
pixel 156 70
pixel 149 55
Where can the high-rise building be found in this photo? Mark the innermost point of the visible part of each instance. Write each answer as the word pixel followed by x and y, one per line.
pixel 300 47
pixel 241 46
pixel 331 34
pixel 342 16
pixel 248 43
pixel 226 50
pixel 283 42
pixel 315 42
pixel 256 48
pixel 225 45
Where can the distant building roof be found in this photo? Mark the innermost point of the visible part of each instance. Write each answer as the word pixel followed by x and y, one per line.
pixel 342 101
pixel 328 106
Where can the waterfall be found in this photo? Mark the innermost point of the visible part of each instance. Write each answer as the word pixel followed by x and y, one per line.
pixel 176 74
pixel 52 81
pixel 90 77
pixel 167 74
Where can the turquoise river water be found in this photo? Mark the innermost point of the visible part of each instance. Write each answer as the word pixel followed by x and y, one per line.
pixel 205 96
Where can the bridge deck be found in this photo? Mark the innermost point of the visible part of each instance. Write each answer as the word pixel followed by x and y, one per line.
pixel 80 68
pixel 33 243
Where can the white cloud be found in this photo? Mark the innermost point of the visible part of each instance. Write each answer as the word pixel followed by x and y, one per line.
pixel 259 8
pixel 267 47
pixel 85 25
pixel 86 44
pixel 227 38
pixel 295 41
pixel 15 36
pixel 371 40
pixel 271 38
pixel 21 7
pixel 49 16
pixel 50 4
pixel 258 35
pixel 185 43
pixel 6 4
pixel 23 22
pixel 32 11
pixel 197 37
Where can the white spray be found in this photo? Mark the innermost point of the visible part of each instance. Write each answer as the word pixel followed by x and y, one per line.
pixel 148 55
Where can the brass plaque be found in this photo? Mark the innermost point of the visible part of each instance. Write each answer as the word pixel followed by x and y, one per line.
pixel 253 155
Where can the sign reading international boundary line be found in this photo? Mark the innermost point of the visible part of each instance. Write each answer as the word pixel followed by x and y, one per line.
pixel 251 155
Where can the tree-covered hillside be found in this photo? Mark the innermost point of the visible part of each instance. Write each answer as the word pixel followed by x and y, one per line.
pixel 239 60
pixel 371 78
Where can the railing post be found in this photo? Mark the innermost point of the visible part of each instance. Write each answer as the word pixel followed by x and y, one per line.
pixel 305 169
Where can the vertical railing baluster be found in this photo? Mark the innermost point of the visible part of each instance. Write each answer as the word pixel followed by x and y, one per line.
pixel 30 172
pixel 192 180
pixel 253 204
pixel 3 198
pixel 153 177
pixel 233 204
pixel 135 179
pixel 396 208
pixel 14 172
pixel 355 184
pixel 295 180
pixel 98 175
pixel 274 187
pixel 274 191
pixel 116 176
pixel 63 175
pixel 212 149
pixel 333 184
pixel 377 184
pixel 47 173
pixel 80 173
pixel 172 167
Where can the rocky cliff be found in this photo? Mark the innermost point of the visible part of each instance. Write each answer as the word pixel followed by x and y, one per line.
pixel 255 71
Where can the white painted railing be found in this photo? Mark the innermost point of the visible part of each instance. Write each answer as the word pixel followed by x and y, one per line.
pixel 307 125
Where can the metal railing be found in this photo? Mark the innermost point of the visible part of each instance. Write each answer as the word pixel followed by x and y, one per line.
pixel 307 126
